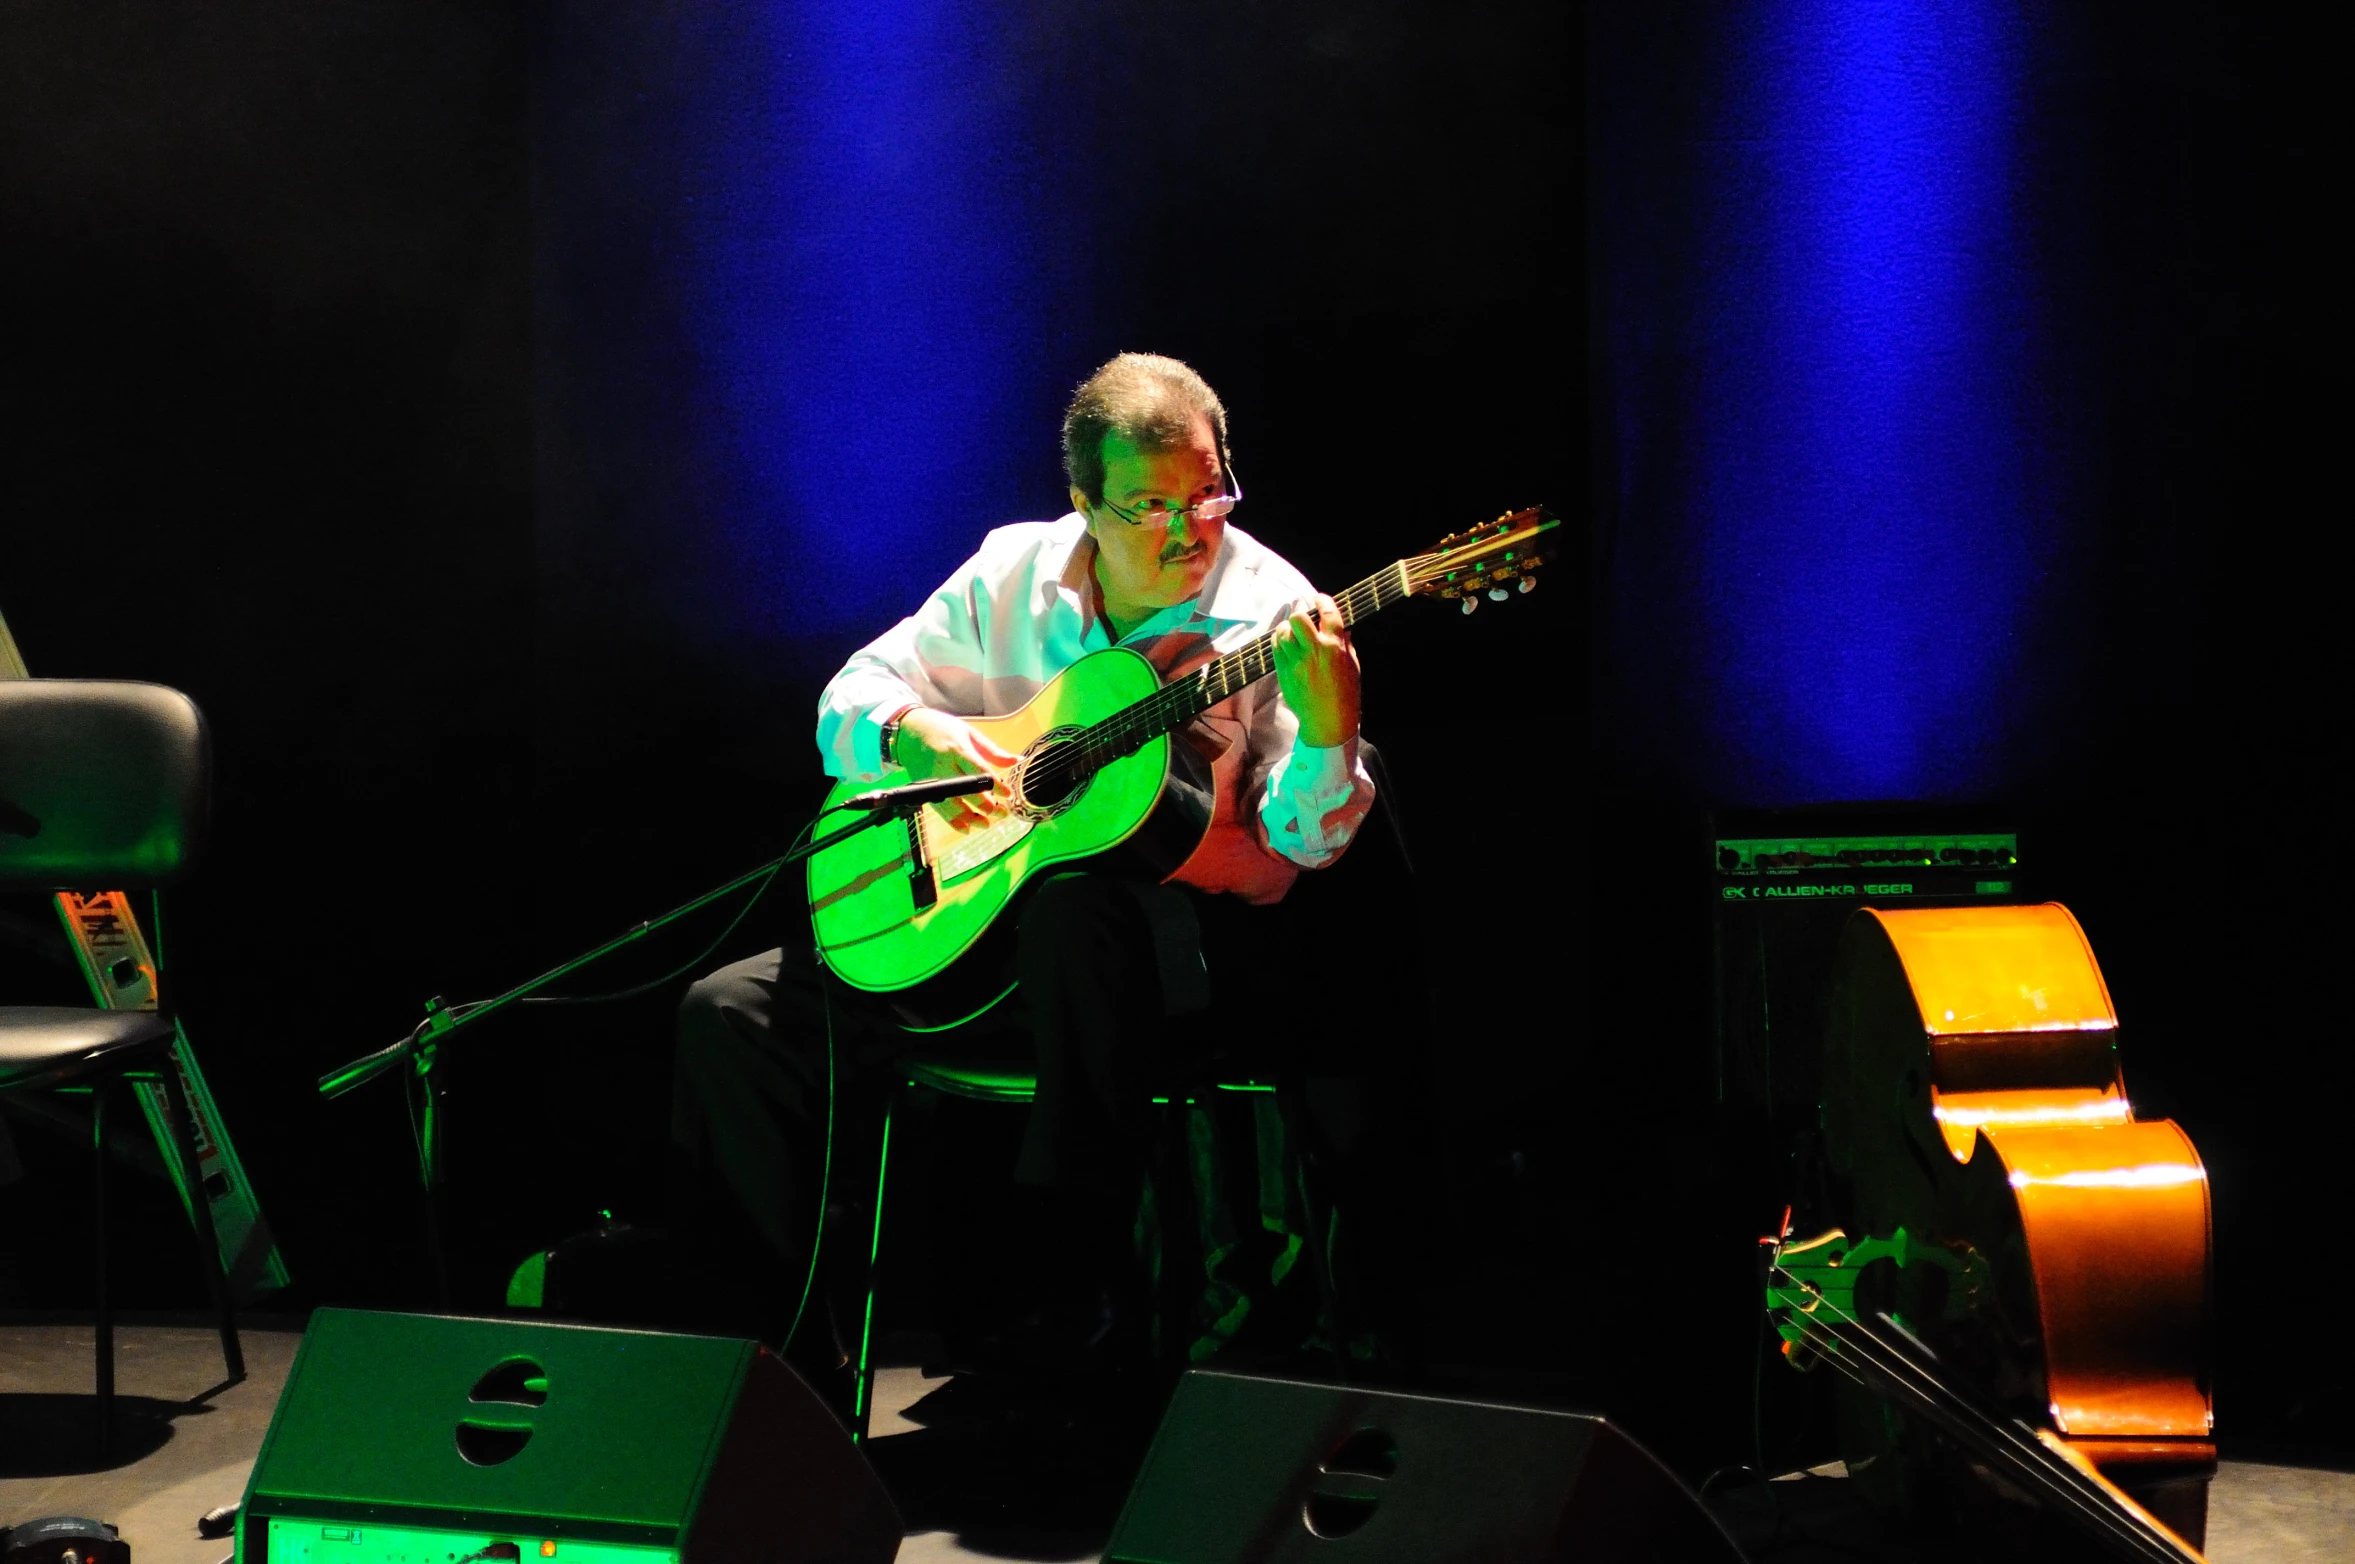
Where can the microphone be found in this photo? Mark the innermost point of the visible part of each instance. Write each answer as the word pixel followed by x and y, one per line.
pixel 915 795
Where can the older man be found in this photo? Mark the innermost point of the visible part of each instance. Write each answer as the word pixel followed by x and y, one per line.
pixel 1147 560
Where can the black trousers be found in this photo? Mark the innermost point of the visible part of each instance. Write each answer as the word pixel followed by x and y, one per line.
pixel 1102 962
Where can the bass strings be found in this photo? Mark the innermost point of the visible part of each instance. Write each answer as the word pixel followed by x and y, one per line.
pixel 2059 1482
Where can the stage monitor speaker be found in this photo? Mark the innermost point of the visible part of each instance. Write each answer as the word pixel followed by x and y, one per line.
pixel 1272 1471
pixel 418 1439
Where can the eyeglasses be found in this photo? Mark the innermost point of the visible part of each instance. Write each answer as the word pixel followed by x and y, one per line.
pixel 1161 513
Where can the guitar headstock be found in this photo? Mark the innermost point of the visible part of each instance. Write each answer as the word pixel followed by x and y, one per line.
pixel 1463 565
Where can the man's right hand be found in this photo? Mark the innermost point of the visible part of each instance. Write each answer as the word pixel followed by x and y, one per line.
pixel 933 744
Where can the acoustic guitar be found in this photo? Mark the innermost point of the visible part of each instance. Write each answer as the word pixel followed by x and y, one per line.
pixel 896 906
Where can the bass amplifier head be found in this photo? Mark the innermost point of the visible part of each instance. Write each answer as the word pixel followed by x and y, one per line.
pixel 1269 1471
pixel 417 1439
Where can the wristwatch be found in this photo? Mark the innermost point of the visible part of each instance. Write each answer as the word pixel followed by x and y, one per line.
pixel 891 732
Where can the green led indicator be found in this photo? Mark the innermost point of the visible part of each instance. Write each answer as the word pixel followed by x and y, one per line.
pixel 1995 887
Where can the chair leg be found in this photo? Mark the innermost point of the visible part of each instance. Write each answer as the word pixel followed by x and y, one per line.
pixel 104 1299
pixel 200 1208
pixel 1322 1218
pixel 863 1398
pixel 1319 1212
pixel 1181 1243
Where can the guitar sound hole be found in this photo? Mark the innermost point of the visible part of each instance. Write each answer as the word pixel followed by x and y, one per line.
pixel 1051 777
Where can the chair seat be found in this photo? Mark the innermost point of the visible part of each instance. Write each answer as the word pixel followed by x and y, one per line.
pixel 51 1045
pixel 1007 1081
pixel 1002 1081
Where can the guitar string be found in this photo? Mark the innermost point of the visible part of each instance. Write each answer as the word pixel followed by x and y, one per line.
pixel 1237 670
pixel 1360 600
pixel 2060 1481
pixel 1063 766
pixel 1072 760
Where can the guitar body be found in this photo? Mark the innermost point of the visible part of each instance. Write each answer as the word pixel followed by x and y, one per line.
pixel 894 907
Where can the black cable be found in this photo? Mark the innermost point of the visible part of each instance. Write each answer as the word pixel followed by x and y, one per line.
pixel 635 990
pixel 809 1278
pixel 691 964
pixel 694 963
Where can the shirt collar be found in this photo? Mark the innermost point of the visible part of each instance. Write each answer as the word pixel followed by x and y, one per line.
pixel 1225 597
pixel 1065 563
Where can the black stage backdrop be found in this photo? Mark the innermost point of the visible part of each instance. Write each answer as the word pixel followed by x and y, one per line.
pixel 2174 757
pixel 343 388
pixel 268 411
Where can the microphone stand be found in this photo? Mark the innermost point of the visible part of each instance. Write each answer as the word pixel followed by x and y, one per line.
pixel 421 1049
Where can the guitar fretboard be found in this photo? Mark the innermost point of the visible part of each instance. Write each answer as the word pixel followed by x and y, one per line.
pixel 1181 700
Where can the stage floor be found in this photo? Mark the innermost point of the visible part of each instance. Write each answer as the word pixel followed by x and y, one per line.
pixel 188 1443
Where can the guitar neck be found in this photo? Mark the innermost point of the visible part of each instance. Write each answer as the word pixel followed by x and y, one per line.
pixel 1181 700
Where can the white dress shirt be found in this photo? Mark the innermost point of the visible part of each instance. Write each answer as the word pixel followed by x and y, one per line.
pixel 1021 610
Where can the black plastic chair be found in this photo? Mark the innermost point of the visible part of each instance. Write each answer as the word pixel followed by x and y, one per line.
pixel 105 784
pixel 1015 1082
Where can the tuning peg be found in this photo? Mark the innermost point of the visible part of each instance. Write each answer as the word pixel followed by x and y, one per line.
pixel 1529 583
pixel 1470 602
pixel 1498 594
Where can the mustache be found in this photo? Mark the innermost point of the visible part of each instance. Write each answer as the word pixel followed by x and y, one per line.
pixel 1173 552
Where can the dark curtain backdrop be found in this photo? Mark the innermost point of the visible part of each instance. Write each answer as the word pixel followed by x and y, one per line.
pixel 265 401
pixel 503 421
pixel 1964 387
pixel 1360 222
pixel 502 418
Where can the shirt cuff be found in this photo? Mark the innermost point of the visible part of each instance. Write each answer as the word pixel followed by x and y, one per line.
pixel 1320 770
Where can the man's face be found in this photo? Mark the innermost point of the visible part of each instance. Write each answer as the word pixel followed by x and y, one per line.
pixel 1155 561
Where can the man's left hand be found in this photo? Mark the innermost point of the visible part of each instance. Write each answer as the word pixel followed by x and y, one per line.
pixel 1316 668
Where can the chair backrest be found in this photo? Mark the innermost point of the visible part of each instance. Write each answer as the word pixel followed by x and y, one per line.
pixel 104 784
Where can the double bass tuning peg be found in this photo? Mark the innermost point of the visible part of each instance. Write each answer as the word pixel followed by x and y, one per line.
pixel 1471 601
pixel 1498 594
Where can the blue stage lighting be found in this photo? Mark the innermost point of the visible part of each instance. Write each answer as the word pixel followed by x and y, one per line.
pixel 1872 484
pixel 867 313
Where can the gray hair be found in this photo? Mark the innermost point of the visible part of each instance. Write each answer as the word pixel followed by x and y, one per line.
pixel 1149 401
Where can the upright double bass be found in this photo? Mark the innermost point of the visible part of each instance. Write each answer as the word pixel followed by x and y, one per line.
pixel 2014 1238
